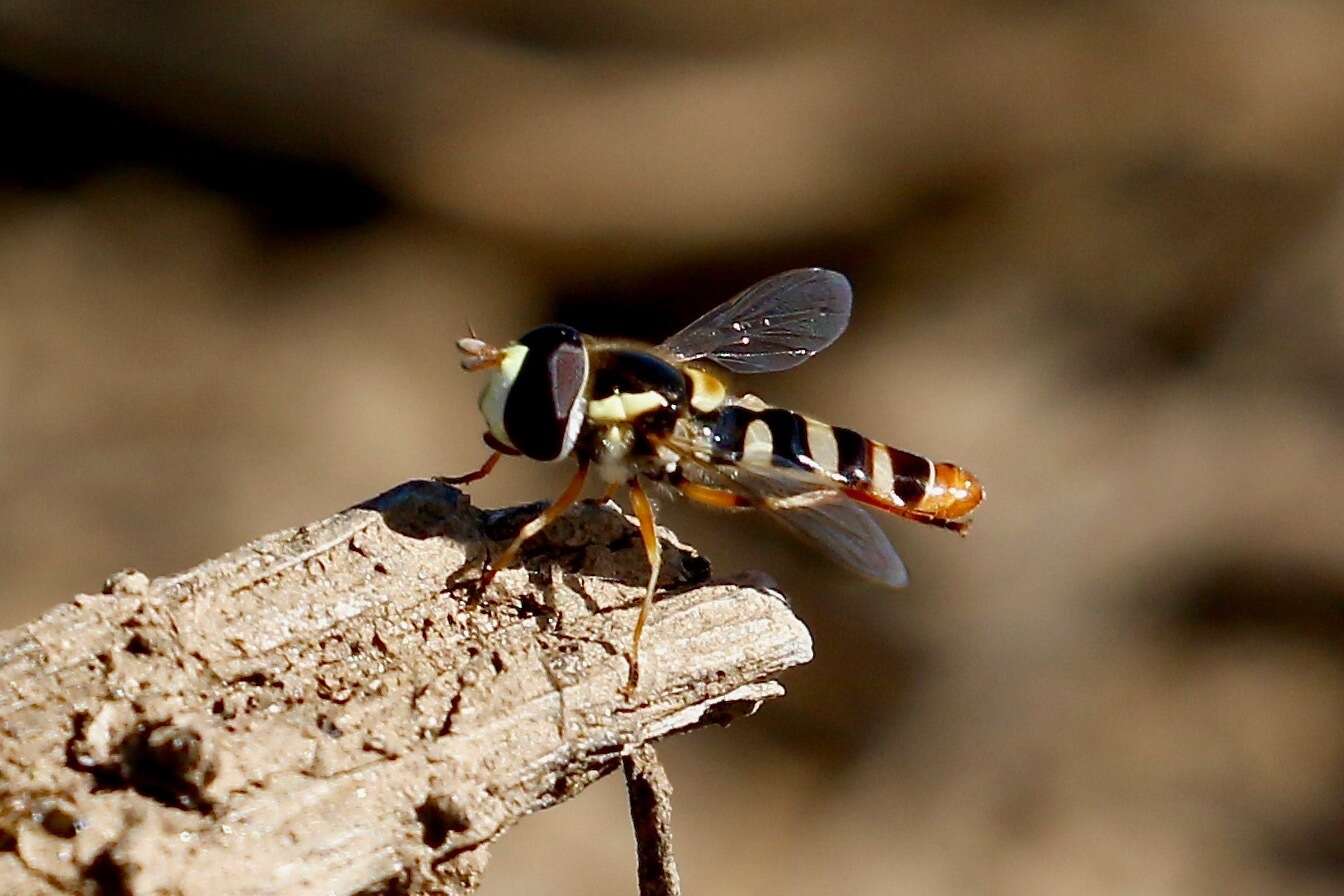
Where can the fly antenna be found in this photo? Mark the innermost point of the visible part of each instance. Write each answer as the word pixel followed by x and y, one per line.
pixel 477 353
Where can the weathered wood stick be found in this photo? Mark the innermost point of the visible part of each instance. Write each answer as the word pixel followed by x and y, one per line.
pixel 651 815
pixel 334 709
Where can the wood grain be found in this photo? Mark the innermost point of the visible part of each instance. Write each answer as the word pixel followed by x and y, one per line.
pixel 335 709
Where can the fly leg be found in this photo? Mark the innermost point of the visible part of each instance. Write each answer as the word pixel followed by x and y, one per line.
pixel 497 447
pixel 724 499
pixel 480 473
pixel 802 499
pixel 713 497
pixel 535 525
pixel 961 527
pixel 648 530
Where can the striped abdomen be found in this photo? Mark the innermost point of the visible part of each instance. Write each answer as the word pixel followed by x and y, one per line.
pixel 876 474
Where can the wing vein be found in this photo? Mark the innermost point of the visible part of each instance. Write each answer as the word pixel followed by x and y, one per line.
pixel 775 324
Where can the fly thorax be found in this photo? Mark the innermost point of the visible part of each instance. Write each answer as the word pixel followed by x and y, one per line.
pixel 533 401
pixel 707 391
pixel 636 389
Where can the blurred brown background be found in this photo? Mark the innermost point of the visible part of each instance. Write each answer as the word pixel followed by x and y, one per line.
pixel 1097 259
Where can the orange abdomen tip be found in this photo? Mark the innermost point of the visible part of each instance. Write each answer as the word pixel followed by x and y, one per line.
pixel 953 494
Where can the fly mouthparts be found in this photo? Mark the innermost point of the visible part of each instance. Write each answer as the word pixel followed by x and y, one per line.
pixel 478 353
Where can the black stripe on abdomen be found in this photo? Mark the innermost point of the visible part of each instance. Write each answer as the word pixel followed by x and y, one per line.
pixel 790 442
pixel 788 437
pixel 728 432
pixel 910 474
pixel 851 456
pixel 731 432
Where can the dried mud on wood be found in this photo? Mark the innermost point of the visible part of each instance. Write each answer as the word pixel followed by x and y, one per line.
pixel 651 814
pixel 334 709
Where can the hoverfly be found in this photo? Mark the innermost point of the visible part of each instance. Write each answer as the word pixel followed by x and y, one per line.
pixel 636 413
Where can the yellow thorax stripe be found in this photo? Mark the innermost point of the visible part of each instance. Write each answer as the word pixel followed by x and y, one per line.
pixel 622 408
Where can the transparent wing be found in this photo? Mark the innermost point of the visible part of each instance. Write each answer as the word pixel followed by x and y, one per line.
pixel 776 324
pixel 812 507
pixel 848 535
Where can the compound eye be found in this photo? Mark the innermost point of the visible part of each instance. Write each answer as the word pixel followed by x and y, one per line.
pixel 548 335
pixel 543 412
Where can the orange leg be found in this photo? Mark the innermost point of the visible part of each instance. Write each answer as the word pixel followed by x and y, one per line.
pixel 724 499
pixel 713 497
pixel 541 521
pixel 610 493
pixel 653 550
pixel 483 472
